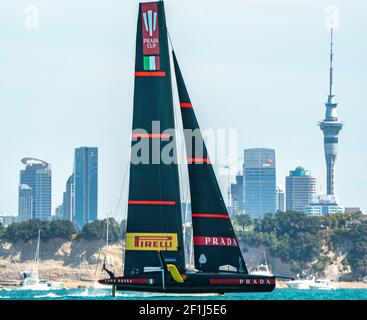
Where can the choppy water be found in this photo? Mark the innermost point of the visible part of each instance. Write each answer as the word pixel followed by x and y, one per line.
pixel 101 294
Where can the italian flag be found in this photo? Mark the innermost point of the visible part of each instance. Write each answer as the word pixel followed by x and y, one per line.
pixel 151 63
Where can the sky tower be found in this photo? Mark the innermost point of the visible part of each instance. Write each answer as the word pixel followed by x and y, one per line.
pixel 331 126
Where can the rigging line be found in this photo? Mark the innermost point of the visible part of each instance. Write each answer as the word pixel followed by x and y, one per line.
pixel 170 40
pixel 122 189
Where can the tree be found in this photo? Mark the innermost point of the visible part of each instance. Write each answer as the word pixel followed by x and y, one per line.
pixel 358 255
pixel 97 230
pixel 243 220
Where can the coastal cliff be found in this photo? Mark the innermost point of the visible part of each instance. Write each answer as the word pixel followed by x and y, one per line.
pixel 76 262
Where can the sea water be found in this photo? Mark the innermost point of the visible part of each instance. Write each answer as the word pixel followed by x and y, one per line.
pixel 103 294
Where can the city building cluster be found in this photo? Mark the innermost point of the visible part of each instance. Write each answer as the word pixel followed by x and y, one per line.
pixel 80 198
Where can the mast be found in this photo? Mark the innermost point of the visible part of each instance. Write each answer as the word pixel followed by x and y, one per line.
pixel 36 258
pixel 107 231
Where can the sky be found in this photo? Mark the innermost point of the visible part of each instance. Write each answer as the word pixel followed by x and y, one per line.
pixel 260 67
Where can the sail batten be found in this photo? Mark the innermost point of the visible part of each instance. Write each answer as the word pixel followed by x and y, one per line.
pixel 215 243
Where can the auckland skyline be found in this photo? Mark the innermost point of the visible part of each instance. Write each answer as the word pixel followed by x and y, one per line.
pixel 263 71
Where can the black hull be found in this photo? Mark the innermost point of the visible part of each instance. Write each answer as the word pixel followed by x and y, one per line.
pixel 194 290
pixel 194 283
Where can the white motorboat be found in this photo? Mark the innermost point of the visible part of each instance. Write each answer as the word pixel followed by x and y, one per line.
pixel 300 283
pixel 322 284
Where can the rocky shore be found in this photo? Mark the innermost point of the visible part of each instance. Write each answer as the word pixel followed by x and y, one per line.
pixel 76 263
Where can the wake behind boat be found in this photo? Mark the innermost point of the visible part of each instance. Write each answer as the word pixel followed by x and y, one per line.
pixel 154 244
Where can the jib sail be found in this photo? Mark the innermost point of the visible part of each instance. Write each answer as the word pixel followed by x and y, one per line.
pixel 215 244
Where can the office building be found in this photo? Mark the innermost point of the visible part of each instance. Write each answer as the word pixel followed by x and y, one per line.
pixel 37 176
pixel 237 195
pixel 300 188
pixel 68 199
pixel 259 182
pixel 85 186
pixel 322 205
pixel 280 198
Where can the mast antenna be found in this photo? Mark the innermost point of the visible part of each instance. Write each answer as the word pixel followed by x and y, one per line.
pixel 331 63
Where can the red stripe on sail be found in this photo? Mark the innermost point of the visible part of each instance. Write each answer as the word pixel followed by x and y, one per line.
pixel 152 202
pixel 151 135
pixel 215 241
pixel 210 215
pixel 185 105
pixel 150 74
pixel 198 160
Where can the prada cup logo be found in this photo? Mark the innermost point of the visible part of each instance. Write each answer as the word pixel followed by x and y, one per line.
pixel 150 21
pixel 150 30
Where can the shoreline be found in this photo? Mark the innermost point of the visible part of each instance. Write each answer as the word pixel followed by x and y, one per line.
pixel 74 284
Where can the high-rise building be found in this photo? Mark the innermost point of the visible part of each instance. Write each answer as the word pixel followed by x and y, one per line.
pixel 25 203
pixel 6 220
pixel 237 195
pixel 85 185
pixel 280 198
pixel 259 182
pixel 59 213
pixel 331 126
pixel 37 175
pixel 68 199
pixel 300 188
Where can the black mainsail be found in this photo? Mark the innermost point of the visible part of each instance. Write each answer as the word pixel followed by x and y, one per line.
pixel 215 244
pixel 154 220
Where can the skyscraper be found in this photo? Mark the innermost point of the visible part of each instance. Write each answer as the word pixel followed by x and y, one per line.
pixel 25 203
pixel 259 182
pixel 37 176
pixel 85 185
pixel 237 195
pixel 68 199
pixel 300 188
pixel 331 126
pixel 280 198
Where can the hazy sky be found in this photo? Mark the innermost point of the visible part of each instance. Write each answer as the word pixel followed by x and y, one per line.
pixel 257 66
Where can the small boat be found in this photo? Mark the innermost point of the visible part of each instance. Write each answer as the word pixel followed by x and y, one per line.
pixel 262 269
pixel 322 284
pixel 31 280
pixel 154 242
pixel 301 283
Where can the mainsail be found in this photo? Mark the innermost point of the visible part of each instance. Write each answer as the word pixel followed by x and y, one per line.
pixel 215 244
pixel 154 210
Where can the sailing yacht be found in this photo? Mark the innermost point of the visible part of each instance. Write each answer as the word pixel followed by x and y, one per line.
pixel 154 244
pixel 30 279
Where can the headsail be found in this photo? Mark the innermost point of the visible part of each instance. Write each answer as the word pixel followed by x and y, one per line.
pixel 154 211
pixel 215 244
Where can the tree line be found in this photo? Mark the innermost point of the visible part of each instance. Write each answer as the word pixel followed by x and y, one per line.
pixel 306 241
pixel 62 229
